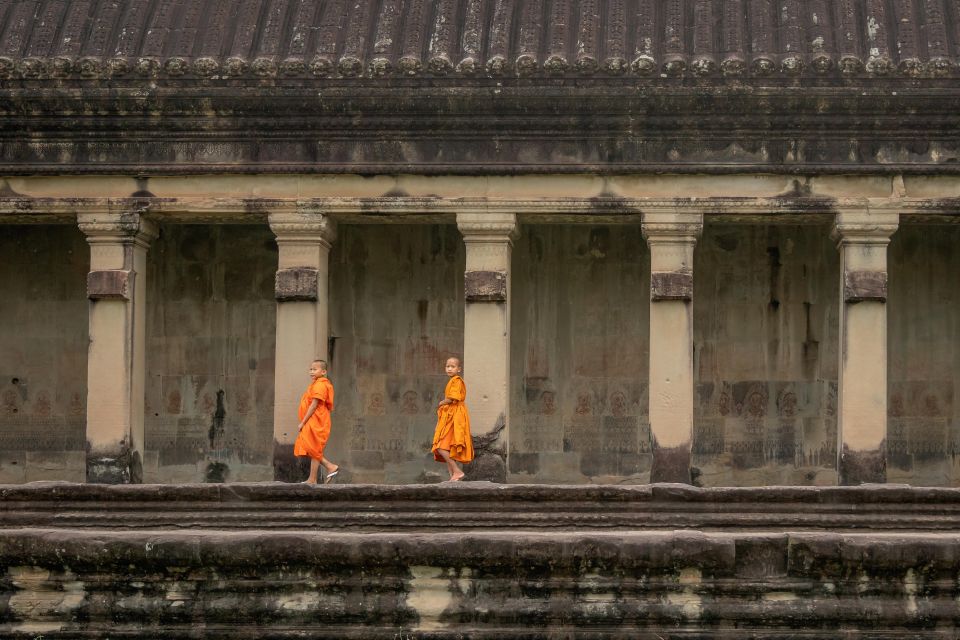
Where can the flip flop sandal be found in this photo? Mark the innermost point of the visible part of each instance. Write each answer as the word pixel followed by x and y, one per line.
pixel 330 476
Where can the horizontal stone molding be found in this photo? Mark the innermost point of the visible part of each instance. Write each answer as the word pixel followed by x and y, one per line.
pixel 481 505
pixel 109 284
pixel 673 285
pixel 297 284
pixel 795 210
pixel 862 286
pixel 485 286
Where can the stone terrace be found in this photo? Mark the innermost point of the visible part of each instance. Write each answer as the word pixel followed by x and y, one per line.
pixel 478 560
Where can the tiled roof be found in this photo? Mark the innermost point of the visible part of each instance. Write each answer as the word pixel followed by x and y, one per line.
pixel 372 39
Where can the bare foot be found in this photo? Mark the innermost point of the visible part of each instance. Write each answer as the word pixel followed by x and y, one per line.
pixel 457 478
pixel 308 482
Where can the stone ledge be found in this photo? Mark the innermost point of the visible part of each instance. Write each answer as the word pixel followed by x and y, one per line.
pixel 480 506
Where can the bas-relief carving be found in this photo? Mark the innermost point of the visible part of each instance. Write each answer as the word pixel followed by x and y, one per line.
pixel 595 432
pixel 920 431
pixel 755 425
pixel 394 431
pixel 210 383
pixel 41 419
pixel 393 338
pixel 194 421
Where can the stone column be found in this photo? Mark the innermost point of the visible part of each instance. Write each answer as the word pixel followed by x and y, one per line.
pixel 116 360
pixel 862 237
pixel 671 236
pixel 301 290
pixel 486 338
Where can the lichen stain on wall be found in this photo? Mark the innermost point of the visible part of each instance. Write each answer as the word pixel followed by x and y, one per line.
pixel 43 353
pixel 580 335
pixel 923 310
pixel 766 344
pixel 396 314
pixel 45 601
pixel 211 330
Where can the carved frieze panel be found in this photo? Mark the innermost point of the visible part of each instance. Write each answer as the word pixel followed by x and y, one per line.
pixel 673 285
pixel 116 284
pixel 296 284
pixel 862 286
pixel 485 286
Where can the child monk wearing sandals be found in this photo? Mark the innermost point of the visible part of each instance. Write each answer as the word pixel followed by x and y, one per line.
pixel 451 440
pixel 315 407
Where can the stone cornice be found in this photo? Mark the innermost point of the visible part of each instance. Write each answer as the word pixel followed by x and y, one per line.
pixel 21 210
pixel 481 126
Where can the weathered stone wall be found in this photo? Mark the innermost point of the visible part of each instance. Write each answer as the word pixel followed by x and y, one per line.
pixel 43 353
pixel 765 333
pixel 579 355
pixel 396 314
pixel 210 344
pixel 923 429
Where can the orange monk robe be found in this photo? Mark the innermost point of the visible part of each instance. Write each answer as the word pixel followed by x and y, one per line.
pixel 313 437
pixel 453 424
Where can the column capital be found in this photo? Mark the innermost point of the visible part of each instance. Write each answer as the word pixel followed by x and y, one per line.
pixel 672 225
pixel 484 226
pixel 303 226
pixel 118 228
pixel 865 226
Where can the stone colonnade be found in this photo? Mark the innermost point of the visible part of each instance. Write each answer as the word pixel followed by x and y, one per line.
pixel 116 291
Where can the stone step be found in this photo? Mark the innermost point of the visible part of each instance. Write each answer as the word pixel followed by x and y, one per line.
pixel 477 561
pixel 479 506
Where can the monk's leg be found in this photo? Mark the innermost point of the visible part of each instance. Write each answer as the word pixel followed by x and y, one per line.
pixel 314 468
pixel 329 466
pixel 455 472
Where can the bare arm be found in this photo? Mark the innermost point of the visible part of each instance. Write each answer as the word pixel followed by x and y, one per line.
pixel 310 410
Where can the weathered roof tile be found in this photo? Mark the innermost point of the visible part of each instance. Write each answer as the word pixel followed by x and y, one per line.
pixel 377 38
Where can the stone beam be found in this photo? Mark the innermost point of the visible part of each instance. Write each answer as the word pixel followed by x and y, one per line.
pixel 671 236
pixel 116 360
pixel 486 337
pixel 862 237
pixel 301 288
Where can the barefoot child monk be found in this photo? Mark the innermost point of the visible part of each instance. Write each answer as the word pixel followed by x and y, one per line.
pixel 451 440
pixel 315 407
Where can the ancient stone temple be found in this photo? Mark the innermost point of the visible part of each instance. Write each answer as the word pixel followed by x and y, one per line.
pixel 711 243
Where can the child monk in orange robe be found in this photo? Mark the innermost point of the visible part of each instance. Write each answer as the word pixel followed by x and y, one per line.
pixel 451 440
pixel 315 407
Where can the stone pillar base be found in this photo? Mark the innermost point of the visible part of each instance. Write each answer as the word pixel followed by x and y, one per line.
pixel 671 464
pixel 286 466
pixel 122 466
pixel 862 467
pixel 490 456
